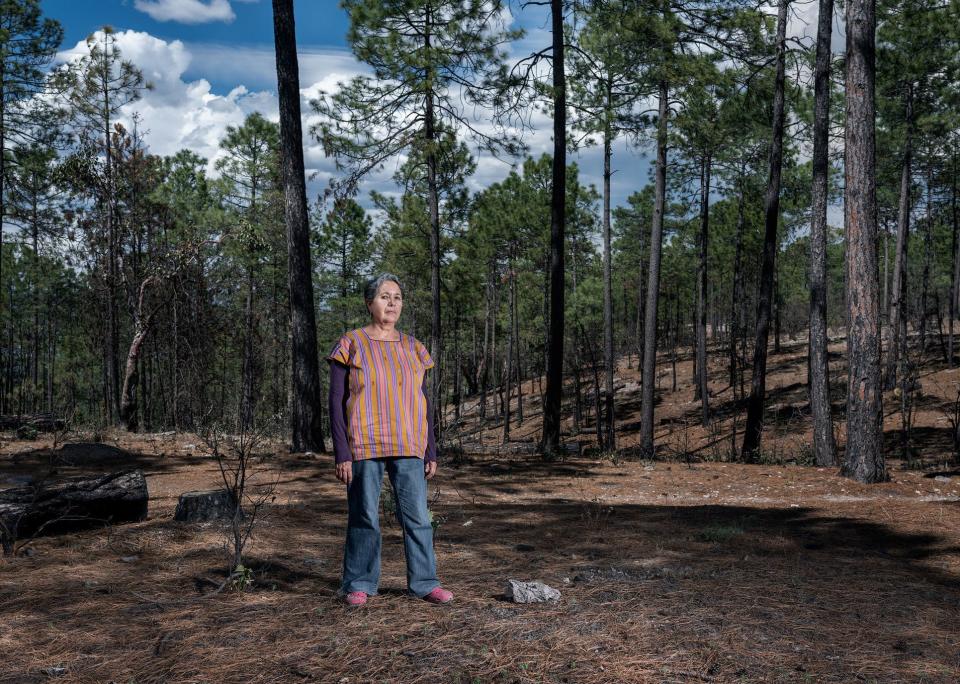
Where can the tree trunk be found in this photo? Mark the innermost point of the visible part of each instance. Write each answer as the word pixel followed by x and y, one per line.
pixel 249 398
pixel 484 371
pixel 702 375
pixel 896 330
pixel 306 415
pixel 457 384
pixel 735 300
pixel 863 459
pixel 955 279
pixel 653 279
pixel 35 304
pixel 754 427
pixel 3 197
pixel 818 356
pixel 609 440
pixel 777 307
pixel 128 397
pixel 113 324
pixel 510 343
pixel 433 200
pixel 676 340
pixel 550 441
pixel 927 258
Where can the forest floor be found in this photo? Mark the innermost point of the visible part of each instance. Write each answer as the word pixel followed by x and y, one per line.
pixel 688 569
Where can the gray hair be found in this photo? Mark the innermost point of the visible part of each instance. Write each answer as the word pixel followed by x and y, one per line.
pixel 373 285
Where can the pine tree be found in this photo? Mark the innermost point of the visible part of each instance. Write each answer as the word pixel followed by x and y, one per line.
pixel 250 178
pixel 755 407
pixel 431 60
pixel 605 87
pixel 98 86
pixel 28 43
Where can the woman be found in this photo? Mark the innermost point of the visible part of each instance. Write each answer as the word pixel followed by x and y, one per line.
pixel 381 419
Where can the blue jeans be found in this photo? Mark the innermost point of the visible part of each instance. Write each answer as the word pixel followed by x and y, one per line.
pixel 361 554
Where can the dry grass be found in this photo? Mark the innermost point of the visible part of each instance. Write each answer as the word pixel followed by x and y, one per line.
pixel 707 572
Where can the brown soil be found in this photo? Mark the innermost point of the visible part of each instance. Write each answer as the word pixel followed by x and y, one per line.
pixel 674 571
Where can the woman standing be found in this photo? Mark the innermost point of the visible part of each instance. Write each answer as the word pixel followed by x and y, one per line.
pixel 381 420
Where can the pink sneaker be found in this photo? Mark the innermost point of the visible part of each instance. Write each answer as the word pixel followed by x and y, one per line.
pixel 439 595
pixel 355 598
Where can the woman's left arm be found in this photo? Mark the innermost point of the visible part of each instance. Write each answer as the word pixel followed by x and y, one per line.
pixel 430 457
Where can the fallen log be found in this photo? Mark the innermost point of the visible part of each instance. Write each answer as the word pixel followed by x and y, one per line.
pixel 41 422
pixel 54 507
pixel 569 448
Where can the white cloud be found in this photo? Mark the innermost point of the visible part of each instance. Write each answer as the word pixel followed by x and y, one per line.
pixel 182 110
pixel 178 113
pixel 187 11
pixel 256 66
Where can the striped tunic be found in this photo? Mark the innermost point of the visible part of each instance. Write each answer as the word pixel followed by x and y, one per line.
pixel 386 411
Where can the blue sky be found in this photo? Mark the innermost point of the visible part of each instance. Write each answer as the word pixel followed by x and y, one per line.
pixel 321 24
pixel 211 63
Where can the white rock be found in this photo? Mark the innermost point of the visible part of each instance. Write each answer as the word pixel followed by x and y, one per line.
pixel 531 592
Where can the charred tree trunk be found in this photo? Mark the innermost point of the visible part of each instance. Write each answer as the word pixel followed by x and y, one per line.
pixel 429 134
pixel 306 415
pixel 896 330
pixel 653 279
pixel 927 258
pixel 510 343
pixel 754 427
pixel 516 336
pixel 736 321
pixel 863 458
pixel 609 439
pixel 955 280
pixel 702 376
pixel 550 443
pixel 823 445
pixel 248 405
pixel 457 382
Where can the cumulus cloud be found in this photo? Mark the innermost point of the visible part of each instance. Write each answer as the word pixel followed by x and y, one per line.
pixel 182 110
pixel 255 66
pixel 177 113
pixel 187 11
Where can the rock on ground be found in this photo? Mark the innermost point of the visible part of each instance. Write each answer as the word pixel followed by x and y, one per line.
pixel 531 592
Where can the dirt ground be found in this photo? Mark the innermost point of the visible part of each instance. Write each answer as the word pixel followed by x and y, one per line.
pixel 684 570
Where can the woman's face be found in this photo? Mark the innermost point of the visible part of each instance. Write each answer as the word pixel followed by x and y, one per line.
pixel 387 304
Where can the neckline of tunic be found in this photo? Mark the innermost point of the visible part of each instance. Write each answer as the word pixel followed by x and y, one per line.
pixel 374 339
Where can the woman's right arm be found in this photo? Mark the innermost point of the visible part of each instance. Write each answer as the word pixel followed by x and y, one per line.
pixel 339 391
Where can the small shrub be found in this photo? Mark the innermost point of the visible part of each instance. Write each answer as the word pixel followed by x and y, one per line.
pixel 240 578
pixel 435 520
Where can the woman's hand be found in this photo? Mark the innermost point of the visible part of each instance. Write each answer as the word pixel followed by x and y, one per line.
pixel 345 472
pixel 429 469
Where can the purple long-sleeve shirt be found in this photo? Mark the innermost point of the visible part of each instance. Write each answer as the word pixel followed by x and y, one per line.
pixel 340 392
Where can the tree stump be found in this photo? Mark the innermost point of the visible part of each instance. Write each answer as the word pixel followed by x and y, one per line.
pixel 217 504
pixel 54 507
